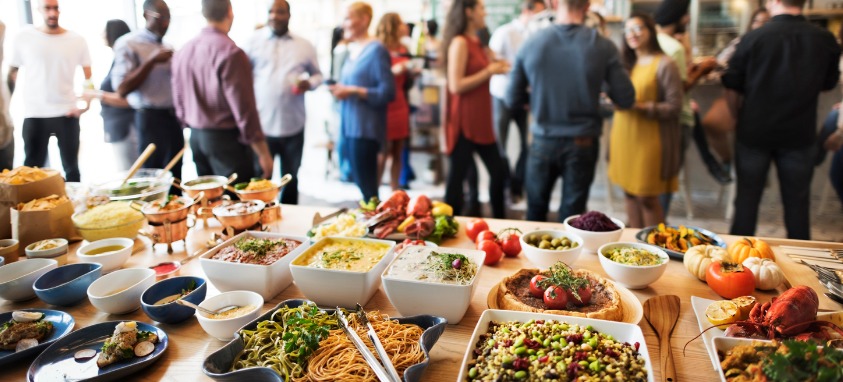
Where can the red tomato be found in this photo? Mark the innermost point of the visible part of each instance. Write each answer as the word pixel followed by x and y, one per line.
pixel 535 289
pixel 486 235
pixel 511 246
pixel 474 227
pixel 584 293
pixel 555 298
pixel 730 280
pixel 493 251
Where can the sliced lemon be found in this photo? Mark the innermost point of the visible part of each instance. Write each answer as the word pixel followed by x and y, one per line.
pixel 745 305
pixel 722 313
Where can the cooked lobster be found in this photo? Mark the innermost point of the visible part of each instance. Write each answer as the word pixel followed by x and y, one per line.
pixel 419 206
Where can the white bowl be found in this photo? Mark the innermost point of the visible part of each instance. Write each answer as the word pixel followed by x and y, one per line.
pixel 110 260
pixel 412 297
pixel 16 279
pixel 633 276
pixel 594 240
pixel 224 329
pixel 119 292
pixel 267 280
pixel 332 288
pixel 545 258
pixel 622 332
pixel 59 253
pixel 725 344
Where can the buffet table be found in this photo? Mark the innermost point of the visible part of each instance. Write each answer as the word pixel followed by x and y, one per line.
pixel 189 344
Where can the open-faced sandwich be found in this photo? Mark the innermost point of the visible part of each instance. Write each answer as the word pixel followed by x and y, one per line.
pixel 24 331
pixel 561 290
pixel 126 342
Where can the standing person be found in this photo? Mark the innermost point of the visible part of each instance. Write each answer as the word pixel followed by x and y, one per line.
pixel 647 137
pixel 285 68
pixel 398 111
pixel 142 74
pixel 7 127
pixel 365 88
pixel 778 116
pixel 214 95
pixel 566 108
pixel 468 128
pixel 505 42
pixel 118 118
pixel 49 55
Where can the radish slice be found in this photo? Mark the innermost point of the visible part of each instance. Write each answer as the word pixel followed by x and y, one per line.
pixel 21 316
pixel 26 343
pixel 85 354
pixel 144 348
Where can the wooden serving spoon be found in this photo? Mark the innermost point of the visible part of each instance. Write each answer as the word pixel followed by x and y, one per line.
pixel 661 313
pixel 139 162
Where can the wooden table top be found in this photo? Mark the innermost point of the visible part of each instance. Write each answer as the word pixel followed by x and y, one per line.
pixel 190 345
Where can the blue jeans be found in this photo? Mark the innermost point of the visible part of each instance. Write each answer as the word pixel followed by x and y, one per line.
pixel 289 150
pixel 574 159
pixel 363 160
pixel 794 167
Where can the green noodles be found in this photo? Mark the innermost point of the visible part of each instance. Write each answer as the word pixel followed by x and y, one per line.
pixel 285 342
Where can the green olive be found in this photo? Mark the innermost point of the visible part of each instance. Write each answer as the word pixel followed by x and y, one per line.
pixel 547 237
pixel 545 244
pixel 555 242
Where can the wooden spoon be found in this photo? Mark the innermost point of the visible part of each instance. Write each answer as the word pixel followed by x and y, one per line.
pixel 661 313
pixel 139 162
pixel 173 162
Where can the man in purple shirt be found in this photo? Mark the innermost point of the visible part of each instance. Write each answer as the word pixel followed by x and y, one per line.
pixel 213 94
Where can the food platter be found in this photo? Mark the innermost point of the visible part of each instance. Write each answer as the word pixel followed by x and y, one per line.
pixel 62 325
pixel 633 311
pixel 219 363
pixel 642 237
pixel 57 363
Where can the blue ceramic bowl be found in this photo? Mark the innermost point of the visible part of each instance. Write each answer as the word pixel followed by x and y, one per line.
pixel 172 313
pixel 67 285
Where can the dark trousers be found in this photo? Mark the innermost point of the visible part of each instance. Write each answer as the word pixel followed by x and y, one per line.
pixel 289 150
pixel 464 153
pixel 363 161
pixel 161 127
pixel 835 174
pixel 7 155
pixel 503 116
pixel 574 159
pixel 36 137
pixel 218 152
pixel 795 167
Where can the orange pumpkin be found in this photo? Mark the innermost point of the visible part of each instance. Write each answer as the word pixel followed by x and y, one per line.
pixel 750 247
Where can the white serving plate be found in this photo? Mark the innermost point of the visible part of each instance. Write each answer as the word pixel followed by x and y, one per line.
pixel 622 332
pixel 266 280
pixel 723 344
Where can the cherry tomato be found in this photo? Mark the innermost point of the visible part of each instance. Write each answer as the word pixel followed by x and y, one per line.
pixel 474 227
pixel 555 298
pixel 494 253
pixel 584 293
pixel 511 246
pixel 535 289
pixel 486 235
pixel 730 280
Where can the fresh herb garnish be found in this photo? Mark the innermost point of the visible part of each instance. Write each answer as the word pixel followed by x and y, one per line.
pixel 804 361
pixel 330 258
pixel 143 335
pixel 451 267
pixel 560 275
pixel 107 345
pixel 190 287
pixel 258 247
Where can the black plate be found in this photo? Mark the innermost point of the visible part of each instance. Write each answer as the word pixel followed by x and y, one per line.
pixel 62 325
pixel 642 237
pixel 57 362
pixel 218 364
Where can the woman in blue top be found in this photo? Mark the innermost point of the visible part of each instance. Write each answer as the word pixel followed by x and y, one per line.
pixel 365 89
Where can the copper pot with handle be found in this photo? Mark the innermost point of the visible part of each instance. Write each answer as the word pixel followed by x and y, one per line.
pixel 266 195
pixel 237 215
pixel 154 214
pixel 212 185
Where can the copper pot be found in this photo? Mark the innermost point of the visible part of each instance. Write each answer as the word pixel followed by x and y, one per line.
pixel 212 185
pixel 169 232
pixel 271 213
pixel 238 215
pixel 266 196
pixel 153 215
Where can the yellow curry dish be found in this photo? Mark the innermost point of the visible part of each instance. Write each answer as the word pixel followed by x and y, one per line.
pixel 343 255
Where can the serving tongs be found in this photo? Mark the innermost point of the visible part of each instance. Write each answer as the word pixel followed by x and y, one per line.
pixel 373 337
pixel 370 358
pixel 318 218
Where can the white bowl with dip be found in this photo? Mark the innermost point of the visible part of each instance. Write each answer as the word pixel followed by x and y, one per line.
pixel 414 286
pixel 267 280
pixel 341 271
pixel 224 327
pixel 630 275
pixel 17 279
pixel 119 292
pixel 55 249
pixel 111 253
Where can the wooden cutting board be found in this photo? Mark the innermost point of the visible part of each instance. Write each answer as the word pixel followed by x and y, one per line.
pixel 797 273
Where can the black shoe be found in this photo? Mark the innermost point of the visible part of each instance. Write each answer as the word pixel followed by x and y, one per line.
pixel 720 173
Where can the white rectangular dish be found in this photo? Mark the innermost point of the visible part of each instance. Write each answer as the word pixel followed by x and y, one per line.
pixel 266 280
pixel 622 332
pixel 700 304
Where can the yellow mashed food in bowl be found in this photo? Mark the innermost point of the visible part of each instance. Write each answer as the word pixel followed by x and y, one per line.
pixel 115 219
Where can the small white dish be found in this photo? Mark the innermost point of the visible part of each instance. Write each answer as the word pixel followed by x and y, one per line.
pixel 593 240
pixel 111 260
pixel 17 279
pixel 545 258
pixel 633 276
pixel 224 329
pixel 119 292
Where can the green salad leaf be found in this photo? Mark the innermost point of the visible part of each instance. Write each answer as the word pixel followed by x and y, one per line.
pixel 446 226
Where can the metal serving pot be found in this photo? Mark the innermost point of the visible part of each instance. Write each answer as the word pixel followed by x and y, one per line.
pixel 229 216
pixel 212 185
pixel 266 196
pixel 150 209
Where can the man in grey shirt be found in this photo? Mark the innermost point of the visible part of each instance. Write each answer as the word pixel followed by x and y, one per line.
pixel 142 75
pixel 565 66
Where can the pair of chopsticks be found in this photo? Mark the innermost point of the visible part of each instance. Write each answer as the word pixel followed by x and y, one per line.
pixel 385 374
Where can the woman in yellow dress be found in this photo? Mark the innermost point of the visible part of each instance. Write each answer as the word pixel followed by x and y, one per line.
pixel 645 142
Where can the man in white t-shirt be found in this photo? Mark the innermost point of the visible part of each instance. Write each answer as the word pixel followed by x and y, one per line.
pixel 7 140
pixel 49 55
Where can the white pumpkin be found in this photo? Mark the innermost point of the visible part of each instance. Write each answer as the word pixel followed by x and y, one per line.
pixel 699 257
pixel 767 273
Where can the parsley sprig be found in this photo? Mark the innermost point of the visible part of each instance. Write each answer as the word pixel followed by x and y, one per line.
pixel 804 361
pixel 259 247
pixel 560 275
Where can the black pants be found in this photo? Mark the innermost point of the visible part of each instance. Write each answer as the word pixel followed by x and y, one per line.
pixel 503 116
pixel 363 157
pixel 218 152
pixel 161 127
pixel 36 138
pixel 464 153
pixel 289 150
